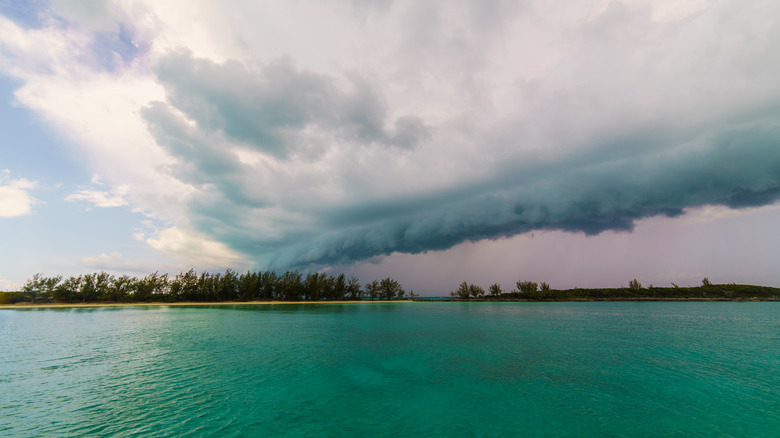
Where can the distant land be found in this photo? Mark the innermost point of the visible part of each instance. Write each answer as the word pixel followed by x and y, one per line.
pixel 292 286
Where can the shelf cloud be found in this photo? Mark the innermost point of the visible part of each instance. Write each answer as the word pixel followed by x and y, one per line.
pixel 299 136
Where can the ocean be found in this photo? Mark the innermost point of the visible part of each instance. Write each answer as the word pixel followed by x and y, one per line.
pixel 451 369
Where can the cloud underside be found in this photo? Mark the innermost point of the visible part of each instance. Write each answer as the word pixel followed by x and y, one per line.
pixel 283 210
pixel 611 195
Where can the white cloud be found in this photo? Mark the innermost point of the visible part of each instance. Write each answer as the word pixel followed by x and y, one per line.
pixel 97 109
pixel 194 249
pixel 8 285
pixel 104 259
pixel 711 213
pixel 25 53
pixel 14 197
pixel 14 202
pixel 113 198
pixel 115 261
pixel 672 10
pixel 99 16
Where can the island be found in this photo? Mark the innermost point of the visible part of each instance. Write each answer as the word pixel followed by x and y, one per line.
pixel 293 287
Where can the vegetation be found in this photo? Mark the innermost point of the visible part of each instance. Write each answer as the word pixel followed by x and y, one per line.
pixel 466 290
pixel 532 291
pixel 526 287
pixel 204 287
pixel 293 286
pixel 495 290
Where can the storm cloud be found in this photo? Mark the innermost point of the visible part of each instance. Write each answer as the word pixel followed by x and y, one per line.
pixel 305 135
pixel 639 118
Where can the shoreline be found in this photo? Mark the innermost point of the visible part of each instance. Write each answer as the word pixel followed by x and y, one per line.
pixel 416 300
pixel 589 300
pixel 185 303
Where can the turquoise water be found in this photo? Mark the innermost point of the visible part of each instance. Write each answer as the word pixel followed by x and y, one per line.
pixel 398 369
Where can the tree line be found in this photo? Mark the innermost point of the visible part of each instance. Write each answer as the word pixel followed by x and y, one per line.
pixel 203 287
pixel 466 290
pixel 294 286
pixel 533 291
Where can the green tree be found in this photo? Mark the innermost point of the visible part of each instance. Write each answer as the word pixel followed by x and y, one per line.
pixel 206 287
pixel 187 289
pixel 268 282
pixel 120 288
pixel 463 291
pixel 68 290
pixel 249 286
pixel 89 288
pixel 634 284
pixel 50 285
pixel 152 287
pixel 372 289
pixel 317 286
pixel 526 287
pixel 354 292
pixel 40 288
pixel 339 289
pixel 495 290
pixel 227 286
pixel 290 286
pixel 33 287
pixel 103 282
pixel 476 291
pixel 544 287
pixel 175 287
pixel 389 289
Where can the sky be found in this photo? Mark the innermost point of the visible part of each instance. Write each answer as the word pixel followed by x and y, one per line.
pixel 580 143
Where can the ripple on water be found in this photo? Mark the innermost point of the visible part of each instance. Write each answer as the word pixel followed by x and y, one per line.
pixel 583 369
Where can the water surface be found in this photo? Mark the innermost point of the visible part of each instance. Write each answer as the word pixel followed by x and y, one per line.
pixel 413 369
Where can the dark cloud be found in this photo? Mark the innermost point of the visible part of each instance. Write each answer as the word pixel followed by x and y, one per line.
pixel 625 126
pixel 738 166
pixel 409 131
pixel 269 106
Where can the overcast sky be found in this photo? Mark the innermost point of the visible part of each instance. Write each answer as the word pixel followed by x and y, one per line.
pixel 581 143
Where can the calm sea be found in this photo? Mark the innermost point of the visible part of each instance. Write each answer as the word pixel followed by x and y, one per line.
pixel 398 369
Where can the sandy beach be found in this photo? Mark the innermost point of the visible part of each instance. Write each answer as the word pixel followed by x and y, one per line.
pixel 218 303
pixel 417 300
